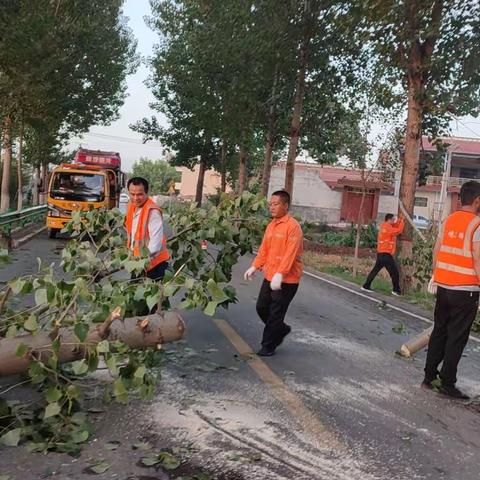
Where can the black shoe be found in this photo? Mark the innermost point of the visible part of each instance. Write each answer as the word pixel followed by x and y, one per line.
pixel 288 329
pixel 426 385
pixel 265 352
pixel 453 392
pixel 367 289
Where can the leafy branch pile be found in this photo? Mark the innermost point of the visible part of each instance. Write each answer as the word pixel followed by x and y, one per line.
pixel 87 293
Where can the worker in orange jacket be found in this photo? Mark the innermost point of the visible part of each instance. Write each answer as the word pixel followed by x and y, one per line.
pixel 144 225
pixel 456 273
pixel 386 247
pixel 279 258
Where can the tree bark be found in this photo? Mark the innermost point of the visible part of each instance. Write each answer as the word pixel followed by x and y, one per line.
pixel 358 234
pixel 36 186
pixel 19 168
pixel 267 162
pixel 200 180
pixel 223 166
pixel 297 112
pixel 242 170
pixel 7 162
pixel 137 332
pixel 408 181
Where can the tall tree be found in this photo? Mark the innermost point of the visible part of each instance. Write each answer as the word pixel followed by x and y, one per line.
pixel 158 173
pixel 62 64
pixel 428 60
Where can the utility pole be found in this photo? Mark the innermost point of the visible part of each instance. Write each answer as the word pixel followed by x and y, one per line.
pixel 442 210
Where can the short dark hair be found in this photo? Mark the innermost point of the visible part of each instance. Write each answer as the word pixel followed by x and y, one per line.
pixel 469 192
pixel 284 196
pixel 389 216
pixel 138 181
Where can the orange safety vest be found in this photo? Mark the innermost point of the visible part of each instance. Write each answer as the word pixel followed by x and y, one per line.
pixel 142 237
pixel 387 233
pixel 455 265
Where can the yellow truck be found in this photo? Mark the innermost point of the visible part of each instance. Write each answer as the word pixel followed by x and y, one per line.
pixel 94 180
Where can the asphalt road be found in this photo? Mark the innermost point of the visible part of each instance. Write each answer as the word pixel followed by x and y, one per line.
pixel 334 403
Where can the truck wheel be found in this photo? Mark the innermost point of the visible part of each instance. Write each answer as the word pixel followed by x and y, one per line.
pixel 52 232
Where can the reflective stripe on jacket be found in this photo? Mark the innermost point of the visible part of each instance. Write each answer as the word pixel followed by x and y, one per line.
pixel 387 236
pixel 455 264
pixel 142 237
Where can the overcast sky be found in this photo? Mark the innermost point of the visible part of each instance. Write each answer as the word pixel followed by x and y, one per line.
pixel 118 136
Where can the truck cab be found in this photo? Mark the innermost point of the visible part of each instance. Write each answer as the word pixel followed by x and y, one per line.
pixel 93 181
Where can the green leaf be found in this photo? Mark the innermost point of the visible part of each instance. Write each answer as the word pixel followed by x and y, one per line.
pixel 152 300
pixel 33 447
pixel 17 286
pixel 41 296
pixel 80 436
pixel 52 410
pixel 140 372
pixel 53 394
pixel 31 324
pixel 139 293
pixel 103 346
pixel 11 438
pixel 210 309
pixel 79 367
pixel 5 477
pixel 100 466
pixel 113 445
pixel 217 293
pixel 21 350
pixel 81 331
pixel 141 446
pixel 168 461
pixel 120 391
pixel 150 461
pixel 112 365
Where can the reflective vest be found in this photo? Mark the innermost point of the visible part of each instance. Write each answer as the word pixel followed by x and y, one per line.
pixel 142 237
pixel 387 236
pixel 455 265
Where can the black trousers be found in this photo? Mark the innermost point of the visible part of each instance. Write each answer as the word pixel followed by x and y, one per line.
pixel 455 311
pixel 156 273
pixel 272 306
pixel 385 260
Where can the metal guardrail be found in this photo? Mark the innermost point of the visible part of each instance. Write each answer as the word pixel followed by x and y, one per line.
pixel 452 181
pixel 12 220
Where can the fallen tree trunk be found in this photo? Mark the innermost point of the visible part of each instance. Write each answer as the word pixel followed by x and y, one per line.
pixel 136 332
pixel 416 343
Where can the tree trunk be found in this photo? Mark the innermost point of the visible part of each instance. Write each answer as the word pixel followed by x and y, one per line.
pixel 200 180
pixel 270 140
pixel 267 162
pixel 44 184
pixel 223 166
pixel 7 162
pixel 19 168
pixel 296 115
pixel 358 234
pixel 137 332
pixel 242 170
pixel 36 186
pixel 408 182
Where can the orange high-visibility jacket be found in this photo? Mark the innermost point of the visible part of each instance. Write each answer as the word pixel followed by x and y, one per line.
pixel 455 264
pixel 281 250
pixel 387 236
pixel 142 237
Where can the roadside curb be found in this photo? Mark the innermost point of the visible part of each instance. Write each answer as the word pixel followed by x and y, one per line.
pixel 20 241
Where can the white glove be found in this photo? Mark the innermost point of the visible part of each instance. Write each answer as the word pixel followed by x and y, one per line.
pixel 248 275
pixel 276 283
pixel 432 287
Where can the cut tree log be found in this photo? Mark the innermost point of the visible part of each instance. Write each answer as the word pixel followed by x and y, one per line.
pixel 416 343
pixel 149 331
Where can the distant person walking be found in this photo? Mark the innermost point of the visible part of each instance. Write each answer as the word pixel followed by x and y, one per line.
pixel 456 272
pixel 386 247
pixel 144 225
pixel 279 258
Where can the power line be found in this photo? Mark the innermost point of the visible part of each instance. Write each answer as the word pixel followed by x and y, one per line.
pixel 117 138
pixel 466 126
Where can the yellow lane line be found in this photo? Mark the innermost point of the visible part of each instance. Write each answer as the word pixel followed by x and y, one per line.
pixel 307 420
